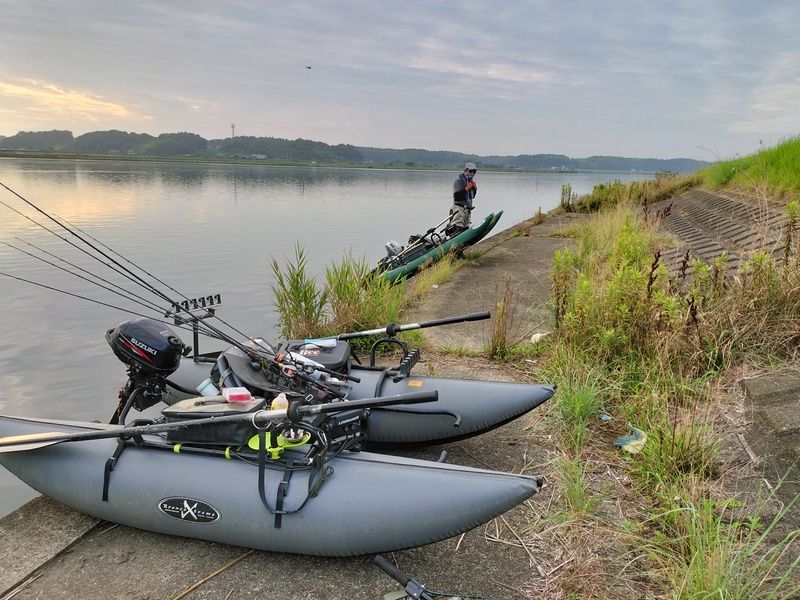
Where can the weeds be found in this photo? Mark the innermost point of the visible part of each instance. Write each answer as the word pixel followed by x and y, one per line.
pixel 351 298
pixel 579 501
pixel 431 274
pixel 499 345
pixel 652 343
pixel 710 558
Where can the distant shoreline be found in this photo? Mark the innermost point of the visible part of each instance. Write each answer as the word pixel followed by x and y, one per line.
pixel 35 154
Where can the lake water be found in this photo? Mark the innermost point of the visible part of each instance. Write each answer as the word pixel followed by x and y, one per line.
pixel 202 229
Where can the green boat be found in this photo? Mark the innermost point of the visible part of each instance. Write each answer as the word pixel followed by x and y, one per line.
pixel 429 247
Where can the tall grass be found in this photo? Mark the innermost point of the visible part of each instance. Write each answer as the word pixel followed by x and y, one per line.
pixel 772 168
pixel 648 346
pixel 299 302
pixel 350 298
pixel 711 555
pixel 500 346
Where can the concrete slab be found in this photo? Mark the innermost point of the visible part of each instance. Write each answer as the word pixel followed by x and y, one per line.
pixel 33 534
pixel 777 388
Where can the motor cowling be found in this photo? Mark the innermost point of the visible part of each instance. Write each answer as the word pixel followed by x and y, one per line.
pixel 150 347
pixel 393 248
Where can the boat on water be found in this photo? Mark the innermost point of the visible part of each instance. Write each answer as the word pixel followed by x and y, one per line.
pixel 306 499
pixel 405 261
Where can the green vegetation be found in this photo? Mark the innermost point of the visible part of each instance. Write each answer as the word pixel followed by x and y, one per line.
pixel 652 348
pixel 771 170
pixel 351 298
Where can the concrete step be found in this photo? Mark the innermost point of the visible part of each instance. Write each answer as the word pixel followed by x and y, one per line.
pixel 708 224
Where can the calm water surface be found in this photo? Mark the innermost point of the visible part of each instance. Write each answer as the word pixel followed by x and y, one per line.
pixel 201 229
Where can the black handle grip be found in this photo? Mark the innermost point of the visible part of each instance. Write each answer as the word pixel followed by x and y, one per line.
pixel 392 571
pixel 479 316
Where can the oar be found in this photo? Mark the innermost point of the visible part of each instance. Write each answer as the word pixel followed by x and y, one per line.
pixel 393 329
pixel 19 443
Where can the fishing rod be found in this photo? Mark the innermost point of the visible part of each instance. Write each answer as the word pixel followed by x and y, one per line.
pixel 259 351
pixel 151 275
pixel 117 267
pixel 95 301
pixel 392 329
pixel 118 291
pixel 127 274
pixel 122 257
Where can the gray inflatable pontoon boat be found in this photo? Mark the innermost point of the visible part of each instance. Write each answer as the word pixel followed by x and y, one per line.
pixel 340 505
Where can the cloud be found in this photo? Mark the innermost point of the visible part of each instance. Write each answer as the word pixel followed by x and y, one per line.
pixel 50 98
pixel 525 75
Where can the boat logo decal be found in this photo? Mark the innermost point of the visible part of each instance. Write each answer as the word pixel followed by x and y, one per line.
pixel 414 383
pixel 188 509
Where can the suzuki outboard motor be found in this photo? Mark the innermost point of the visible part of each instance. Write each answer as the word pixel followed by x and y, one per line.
pixel 152 352
pixel 146 345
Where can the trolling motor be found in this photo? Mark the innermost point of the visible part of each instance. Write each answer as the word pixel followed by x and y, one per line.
pixel 152 352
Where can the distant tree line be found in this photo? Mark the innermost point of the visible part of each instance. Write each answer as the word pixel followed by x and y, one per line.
pixel 185 144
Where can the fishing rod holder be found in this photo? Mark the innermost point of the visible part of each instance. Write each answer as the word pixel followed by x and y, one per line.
pixel 198 309
pixel 410 358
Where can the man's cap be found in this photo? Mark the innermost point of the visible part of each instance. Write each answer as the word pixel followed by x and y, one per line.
pixel 470 167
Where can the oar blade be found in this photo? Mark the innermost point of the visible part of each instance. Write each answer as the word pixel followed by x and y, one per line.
pixel 21 443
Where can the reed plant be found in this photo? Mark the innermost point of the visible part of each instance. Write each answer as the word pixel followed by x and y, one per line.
pixel 350 298
pixel 300 303
pixel 356 299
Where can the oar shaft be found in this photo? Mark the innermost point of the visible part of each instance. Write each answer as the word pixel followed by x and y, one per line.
pixel 393 329
pixel 263 416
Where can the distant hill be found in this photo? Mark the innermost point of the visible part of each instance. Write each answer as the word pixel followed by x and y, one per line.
pixel 38 140
pixel 185 144
pixel 413 157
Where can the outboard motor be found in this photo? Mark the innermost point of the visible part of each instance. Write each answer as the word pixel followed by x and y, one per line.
pixel 393 248
pixel 152 352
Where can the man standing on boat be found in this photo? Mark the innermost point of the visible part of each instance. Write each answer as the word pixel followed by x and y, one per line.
pixel 464 192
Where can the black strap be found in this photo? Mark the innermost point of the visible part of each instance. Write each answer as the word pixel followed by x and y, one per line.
pixel 283 490
pixel 110 464
pixel 283 487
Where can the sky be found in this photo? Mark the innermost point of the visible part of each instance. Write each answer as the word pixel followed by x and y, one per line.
pixel 703 79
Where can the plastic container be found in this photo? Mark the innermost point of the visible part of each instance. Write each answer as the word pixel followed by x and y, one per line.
pixel 207 388
pixel 237 394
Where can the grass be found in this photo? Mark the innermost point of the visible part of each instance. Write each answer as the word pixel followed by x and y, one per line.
pixel 651 347
pixel 351 298
pixel 713 555
pixel 500 345
pixel 773 169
